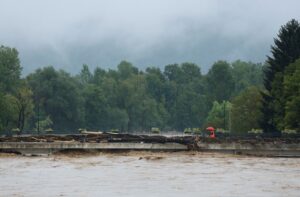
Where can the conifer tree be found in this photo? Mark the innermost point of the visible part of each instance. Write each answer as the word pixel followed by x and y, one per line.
pixel 286 49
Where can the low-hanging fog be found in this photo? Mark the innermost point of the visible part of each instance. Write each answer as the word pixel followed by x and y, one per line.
pixel 69 33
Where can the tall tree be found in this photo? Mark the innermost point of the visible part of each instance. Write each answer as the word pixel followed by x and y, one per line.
pixel 246 112
pixel 155 82
pixel 220 82
pixel 85 74
pixel 173 72
pixel 292 94
pixel 126 70
pixel 190 72
pixel 246 74
pixel 95 106
pixel 24 105
pixel 10 71
pixel 8 112
pixel 286 49
pixel 57 95
pixel 98 76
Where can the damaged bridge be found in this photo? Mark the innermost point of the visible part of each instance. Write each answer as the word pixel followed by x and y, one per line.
pixel 47 144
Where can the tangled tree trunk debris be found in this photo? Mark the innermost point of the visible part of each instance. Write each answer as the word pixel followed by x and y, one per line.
pixel 108 137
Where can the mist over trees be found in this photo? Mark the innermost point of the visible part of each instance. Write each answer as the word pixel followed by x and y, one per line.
pixel 236 96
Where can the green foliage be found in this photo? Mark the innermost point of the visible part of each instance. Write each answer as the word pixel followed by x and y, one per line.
pixel 155 130
pixel 126 70
pixel 292 95
pixel 173 72
pixel 15 131
pixel 85 74
pixel 187 131
pixel 196 131
pixel 24 105
pixel 180 96
pixel 286 50
pixel 115 131
pixel 49 130
pixel 289 131
pixel 220 82
pixel 9 112
pixel 219 115
pixel 44 126
pixel 125 99
pixel 155 83
pixel 255 131
pixel 184 95
pixel 221 130
pixel 56 94
pixel 95 105
pixel 246 112
pixel 10 69
pixel 80 130
pixel 117 118
pixel 246 74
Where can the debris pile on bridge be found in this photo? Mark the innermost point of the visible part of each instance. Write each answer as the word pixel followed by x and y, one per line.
pixel 190 140
pixel 101 138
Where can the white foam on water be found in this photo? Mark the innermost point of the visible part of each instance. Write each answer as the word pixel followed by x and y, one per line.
pixel 149 174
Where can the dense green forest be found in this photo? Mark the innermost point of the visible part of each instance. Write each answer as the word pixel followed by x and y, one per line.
pixel 237 96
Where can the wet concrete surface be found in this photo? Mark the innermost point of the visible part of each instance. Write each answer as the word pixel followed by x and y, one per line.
pixel 148 174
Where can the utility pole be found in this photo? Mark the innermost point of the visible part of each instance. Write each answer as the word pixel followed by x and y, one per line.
pixel 230 118
pixel 38 118
pixel 38 123
pixel 224 108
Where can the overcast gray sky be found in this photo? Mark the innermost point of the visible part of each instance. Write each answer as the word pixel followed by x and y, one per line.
pixel 69 33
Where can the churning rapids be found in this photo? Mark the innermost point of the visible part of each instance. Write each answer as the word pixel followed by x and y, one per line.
pixel 148 174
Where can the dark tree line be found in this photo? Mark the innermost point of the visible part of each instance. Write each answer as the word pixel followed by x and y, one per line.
pixel 232 96
pixel 127 99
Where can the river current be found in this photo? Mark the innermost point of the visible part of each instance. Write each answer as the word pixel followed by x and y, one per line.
pixel 148 174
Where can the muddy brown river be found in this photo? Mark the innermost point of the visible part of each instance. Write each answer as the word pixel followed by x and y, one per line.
pixel 148 174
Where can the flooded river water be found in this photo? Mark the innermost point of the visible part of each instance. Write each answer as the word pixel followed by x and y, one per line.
pixel 149 174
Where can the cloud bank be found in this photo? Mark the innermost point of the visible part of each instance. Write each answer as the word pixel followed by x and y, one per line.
pixel 69 33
